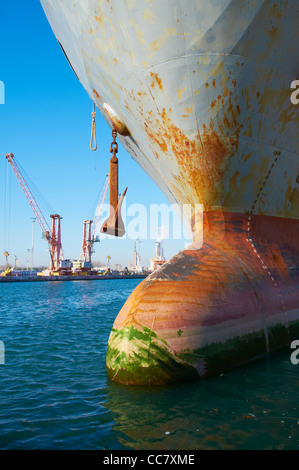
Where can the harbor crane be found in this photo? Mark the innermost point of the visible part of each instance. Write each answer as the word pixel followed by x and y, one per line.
pixel 52 236
pixel 90 228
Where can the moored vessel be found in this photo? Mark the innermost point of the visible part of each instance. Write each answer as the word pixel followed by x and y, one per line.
pixel 199 92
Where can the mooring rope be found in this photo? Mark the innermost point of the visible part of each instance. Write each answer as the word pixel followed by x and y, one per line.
pixel 93 137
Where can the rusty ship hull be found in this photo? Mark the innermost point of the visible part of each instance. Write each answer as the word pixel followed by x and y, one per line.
pixel 200 94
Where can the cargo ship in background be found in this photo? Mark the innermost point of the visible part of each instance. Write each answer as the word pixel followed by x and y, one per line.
pixel 199 92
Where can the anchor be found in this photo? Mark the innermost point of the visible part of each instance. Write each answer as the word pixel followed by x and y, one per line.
pixel 114 224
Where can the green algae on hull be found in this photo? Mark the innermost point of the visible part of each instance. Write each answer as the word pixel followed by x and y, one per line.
pixel 139 357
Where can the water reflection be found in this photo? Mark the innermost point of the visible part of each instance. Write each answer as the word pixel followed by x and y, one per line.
pixel 253 407
pixel 56 338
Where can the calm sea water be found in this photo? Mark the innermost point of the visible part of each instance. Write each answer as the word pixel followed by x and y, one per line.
pixel 55 393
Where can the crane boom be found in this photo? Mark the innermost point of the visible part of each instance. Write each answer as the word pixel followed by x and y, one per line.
pixel 53 237
pixel 33 204
pixel 99 209
pixel 90 226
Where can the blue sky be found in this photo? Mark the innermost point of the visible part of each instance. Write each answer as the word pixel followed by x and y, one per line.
pixel 46 123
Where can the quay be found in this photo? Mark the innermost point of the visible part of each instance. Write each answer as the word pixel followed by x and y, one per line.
pixel 72 278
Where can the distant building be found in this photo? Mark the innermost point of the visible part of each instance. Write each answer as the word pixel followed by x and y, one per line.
pixel 159 258
pixel 137 257
pixel 76 265
pixel 24 273
pixel 66 264
pixel 136 267
pixel 159 254
pixel 117 267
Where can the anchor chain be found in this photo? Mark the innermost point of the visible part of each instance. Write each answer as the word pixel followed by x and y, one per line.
pixel 114 144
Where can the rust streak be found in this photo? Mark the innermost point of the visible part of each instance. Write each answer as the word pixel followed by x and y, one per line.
pixel 156 79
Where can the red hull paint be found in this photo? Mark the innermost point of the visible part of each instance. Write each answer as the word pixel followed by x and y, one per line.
pixel 243 280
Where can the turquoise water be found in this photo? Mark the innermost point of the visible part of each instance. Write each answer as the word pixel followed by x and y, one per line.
pixel 55 393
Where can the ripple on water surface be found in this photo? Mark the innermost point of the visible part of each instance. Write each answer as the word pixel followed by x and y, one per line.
pixel 55 393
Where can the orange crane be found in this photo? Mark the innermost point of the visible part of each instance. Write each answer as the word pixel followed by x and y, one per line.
pixel 52 236
pixel 90 229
